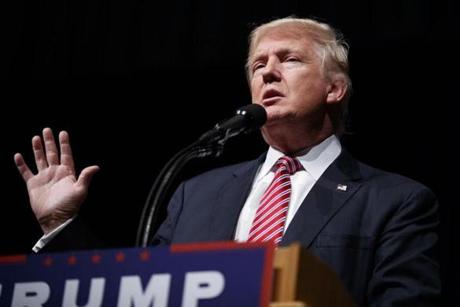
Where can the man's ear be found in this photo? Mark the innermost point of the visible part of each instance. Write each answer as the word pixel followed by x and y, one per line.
pixel 337 89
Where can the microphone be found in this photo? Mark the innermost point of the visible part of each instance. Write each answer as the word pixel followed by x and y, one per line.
pixel 211 143
pixel 246 119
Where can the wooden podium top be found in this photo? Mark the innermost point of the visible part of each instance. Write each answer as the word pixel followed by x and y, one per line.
pixel 303 280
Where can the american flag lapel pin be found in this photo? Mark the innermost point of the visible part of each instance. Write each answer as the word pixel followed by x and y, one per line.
pixel 342 187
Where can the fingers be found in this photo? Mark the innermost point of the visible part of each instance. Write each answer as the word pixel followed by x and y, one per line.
pixel 86 175
pixel 48 154
pixel 23 169
pixel 66 151
pixel 50 147
pixel 39 154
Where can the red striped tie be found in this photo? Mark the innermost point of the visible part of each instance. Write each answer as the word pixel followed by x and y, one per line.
pixel 268 224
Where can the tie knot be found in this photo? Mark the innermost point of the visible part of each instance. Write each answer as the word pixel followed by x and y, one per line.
pixel 291 165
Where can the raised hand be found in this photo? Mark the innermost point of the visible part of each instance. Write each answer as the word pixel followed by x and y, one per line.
pixel 55 192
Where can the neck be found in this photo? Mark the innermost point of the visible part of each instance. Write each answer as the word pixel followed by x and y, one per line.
pixel 292 141
pixel 297 148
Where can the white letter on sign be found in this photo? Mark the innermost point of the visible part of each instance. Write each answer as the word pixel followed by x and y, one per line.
pixel 157 291
pixel 30 294
pixel 202 285
pixel 96 292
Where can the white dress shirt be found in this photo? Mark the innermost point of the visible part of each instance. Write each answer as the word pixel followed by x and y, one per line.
pixel 314 162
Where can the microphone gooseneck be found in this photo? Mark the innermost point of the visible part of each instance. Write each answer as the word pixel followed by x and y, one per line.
pixel 211 143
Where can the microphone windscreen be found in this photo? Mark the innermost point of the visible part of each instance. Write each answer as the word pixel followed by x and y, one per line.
pixel 255 114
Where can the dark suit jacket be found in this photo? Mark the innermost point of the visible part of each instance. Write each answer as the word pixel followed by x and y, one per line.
pixel 379 235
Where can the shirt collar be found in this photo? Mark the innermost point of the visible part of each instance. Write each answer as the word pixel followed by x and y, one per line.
pixel 315 161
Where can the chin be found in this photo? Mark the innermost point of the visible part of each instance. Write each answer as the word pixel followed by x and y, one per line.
pixel 274 129
pixel 274 113
pixel 279 116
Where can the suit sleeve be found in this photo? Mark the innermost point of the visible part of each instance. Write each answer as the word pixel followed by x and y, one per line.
pixel 77 235
pixel 406 271
pixel 165 233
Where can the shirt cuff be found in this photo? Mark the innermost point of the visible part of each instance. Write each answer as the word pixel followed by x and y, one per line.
pixel 50 235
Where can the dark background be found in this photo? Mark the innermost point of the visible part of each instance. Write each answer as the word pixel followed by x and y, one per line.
pixel 135 81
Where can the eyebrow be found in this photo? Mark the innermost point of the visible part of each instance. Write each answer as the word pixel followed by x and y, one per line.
pixel 280 52
pixel 261 55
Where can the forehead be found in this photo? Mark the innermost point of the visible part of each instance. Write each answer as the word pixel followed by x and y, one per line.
pixel 283 38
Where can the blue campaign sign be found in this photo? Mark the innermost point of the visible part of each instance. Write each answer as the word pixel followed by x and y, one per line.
pixel 183 275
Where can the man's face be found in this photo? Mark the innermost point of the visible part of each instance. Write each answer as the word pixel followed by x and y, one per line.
pixel 287 79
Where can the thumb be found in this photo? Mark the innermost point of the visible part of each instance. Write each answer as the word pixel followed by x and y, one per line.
pixel 86 175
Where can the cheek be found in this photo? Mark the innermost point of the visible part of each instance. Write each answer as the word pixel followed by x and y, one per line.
pixel 313 88
pixel 255 89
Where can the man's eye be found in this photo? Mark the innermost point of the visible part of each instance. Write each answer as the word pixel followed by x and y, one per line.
pixel 292 59
pixel 257 66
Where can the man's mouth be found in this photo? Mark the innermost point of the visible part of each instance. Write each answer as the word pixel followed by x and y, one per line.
pixel 271 96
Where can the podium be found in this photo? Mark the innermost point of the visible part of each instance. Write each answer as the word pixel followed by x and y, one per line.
pixel 303 280
pixel 184 275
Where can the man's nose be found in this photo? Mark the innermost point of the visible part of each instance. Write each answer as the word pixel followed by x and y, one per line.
pixel 271 71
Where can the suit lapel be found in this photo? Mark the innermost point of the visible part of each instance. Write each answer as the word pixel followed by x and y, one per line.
pixel 231 200
pixel 330 193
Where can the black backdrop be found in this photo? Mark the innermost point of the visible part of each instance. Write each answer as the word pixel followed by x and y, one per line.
pixel 135 81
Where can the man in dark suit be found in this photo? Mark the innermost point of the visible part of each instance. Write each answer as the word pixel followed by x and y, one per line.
pixel 375 229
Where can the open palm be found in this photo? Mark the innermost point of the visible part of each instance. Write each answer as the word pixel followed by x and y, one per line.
pixel 55 192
